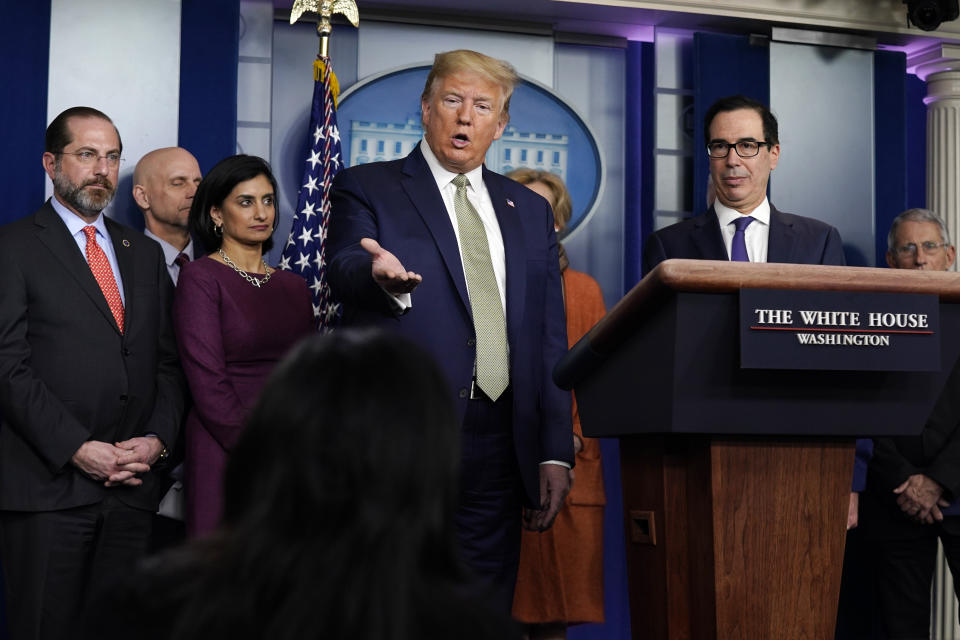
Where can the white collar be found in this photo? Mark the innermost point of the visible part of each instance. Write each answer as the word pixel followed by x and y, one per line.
pixel 442 176
pixel 726 215
pixel 75 223
pixel 170 252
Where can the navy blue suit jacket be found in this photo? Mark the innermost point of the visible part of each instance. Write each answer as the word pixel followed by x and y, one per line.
pixel 398 204
pixel 793 239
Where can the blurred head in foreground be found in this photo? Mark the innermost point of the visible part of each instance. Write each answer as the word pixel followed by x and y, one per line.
pixel 338 512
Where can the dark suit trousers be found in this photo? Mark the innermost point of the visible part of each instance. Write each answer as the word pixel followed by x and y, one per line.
pixel 905 569
pixel 54 561
pixel 858 616
pixel 488 516
pixel 897 559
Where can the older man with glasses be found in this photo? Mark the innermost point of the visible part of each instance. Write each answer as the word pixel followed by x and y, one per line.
pixel 912 484
pixel 918 239
pixel 742 142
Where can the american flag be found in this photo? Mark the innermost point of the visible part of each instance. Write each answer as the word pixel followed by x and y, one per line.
pixel 304 252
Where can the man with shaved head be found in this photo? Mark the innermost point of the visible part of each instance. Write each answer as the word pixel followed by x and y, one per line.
pixel 164 183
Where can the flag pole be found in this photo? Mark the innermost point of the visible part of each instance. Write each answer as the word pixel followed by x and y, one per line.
pixel 304 252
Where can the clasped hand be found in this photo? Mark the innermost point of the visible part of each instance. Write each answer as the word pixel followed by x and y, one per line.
pixel 120 463
pixel 921 497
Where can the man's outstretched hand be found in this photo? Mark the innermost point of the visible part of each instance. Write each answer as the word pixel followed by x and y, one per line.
pixel 387 270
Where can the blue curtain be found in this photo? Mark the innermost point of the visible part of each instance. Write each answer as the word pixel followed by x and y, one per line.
pixel 209 58
pixel 723 66
pixel 916 153
pixel 23 111
pixel 890 140
pixel 639 162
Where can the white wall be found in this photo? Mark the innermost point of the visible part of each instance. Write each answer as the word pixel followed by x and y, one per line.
pixel 124 59
pixel 823 100
pixel 384 46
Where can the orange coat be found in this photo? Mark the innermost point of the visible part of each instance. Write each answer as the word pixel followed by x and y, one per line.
pixel 561 570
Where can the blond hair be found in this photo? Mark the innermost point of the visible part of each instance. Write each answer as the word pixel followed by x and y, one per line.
pixel 562 205
pixel 463 60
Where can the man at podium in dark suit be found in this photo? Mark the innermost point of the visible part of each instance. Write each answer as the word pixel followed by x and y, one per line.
pixel 744 147
pixel 164 183
pixel 464 262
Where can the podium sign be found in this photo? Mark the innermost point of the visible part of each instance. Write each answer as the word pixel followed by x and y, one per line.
pixel 834 330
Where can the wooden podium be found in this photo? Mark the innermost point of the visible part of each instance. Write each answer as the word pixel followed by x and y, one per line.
pixel 735 481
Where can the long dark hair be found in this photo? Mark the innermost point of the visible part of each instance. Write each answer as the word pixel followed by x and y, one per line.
pixel 214 189
pixel 339 504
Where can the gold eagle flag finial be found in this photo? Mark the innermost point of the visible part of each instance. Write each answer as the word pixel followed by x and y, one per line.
pixel 324 9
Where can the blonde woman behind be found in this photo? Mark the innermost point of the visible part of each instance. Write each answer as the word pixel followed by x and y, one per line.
pixel 560 581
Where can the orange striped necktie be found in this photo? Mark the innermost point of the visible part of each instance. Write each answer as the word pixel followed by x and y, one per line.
pixel 102 271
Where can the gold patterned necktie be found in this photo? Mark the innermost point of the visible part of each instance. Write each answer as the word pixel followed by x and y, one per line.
pixel 493 364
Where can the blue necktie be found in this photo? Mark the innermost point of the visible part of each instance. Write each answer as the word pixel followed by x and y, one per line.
pixel 738 250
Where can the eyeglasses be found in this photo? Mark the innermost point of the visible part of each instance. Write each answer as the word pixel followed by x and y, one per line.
pixel 88 158
pixel 910 249
pixel 745 148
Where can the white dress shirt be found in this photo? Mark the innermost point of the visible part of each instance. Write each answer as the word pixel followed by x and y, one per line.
pixel 757 234
pixel 170 253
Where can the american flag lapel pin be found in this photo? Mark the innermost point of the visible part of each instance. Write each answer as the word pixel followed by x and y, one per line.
pixel 510 203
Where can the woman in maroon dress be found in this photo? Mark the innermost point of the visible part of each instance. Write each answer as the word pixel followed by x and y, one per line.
pixel 235 318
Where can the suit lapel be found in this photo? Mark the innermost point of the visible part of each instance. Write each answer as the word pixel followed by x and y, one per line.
pixel 515 255
pixel 782 240
pixel 56 237
pixel 422 190
pixel 123 250
pixel 707 237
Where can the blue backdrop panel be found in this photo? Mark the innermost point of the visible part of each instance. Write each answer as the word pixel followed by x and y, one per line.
pixel 616 602
pixel 916 155
pixel 639 163
pixel 890 136
pixel 209 52
pixel 26 40
pixel 723 65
